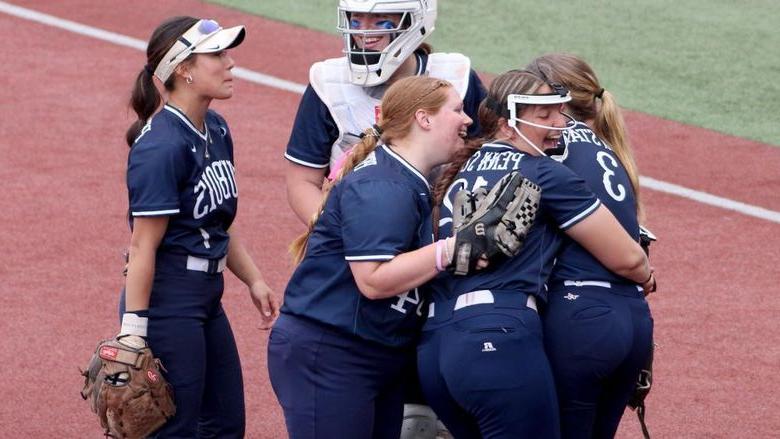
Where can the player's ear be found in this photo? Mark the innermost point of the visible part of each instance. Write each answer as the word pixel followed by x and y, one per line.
pixel 182 71
pixel 504 129
pixel 423 119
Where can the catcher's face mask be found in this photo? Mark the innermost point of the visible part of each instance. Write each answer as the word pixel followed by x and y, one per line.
pixel 516 103
pixel 376 48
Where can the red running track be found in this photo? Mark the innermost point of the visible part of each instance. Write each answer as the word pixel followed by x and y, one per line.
pixel 62 120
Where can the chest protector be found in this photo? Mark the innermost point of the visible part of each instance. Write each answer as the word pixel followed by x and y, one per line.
pixel 354 110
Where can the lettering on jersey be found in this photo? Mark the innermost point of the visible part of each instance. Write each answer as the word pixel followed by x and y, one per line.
pixel 469 165
pixel 218 183
pixel 411 296
pixel 497 161
pixel 368 161
pixel 582 134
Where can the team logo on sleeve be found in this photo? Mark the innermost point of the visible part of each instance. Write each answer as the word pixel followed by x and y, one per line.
pixel 217 184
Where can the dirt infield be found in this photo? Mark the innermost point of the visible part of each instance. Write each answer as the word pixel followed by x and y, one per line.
pixel 63 115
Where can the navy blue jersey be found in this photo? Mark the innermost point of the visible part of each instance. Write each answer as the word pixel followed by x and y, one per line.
pixel 314 130
pixel 381 209
pixel 565 201
pixel 592 159
pixel 175 170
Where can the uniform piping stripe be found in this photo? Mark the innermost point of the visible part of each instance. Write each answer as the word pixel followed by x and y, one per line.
pixel 406 164
pixel 499 145
pixel 304 163
pixel 184 118
pixel 369 258
pixel 294 87
pixel 582 214
pixel 156 212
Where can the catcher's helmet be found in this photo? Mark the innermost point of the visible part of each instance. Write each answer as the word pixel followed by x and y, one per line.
pixel 369 67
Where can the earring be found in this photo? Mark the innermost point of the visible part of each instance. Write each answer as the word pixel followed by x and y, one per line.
pixel 188 79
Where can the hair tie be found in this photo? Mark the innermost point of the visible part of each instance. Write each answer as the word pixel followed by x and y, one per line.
pixel 600 93
pixel 374 131
pixel 149 69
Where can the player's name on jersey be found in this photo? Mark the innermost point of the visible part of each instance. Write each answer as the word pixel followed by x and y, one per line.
pixel 583 134
pixel 494 161
pixel 218 183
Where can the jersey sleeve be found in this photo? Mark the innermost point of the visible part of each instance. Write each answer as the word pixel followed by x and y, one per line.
pixel 153 175
pixel 474 95
pixel 379 220
pixel 565 196
pixel 313 134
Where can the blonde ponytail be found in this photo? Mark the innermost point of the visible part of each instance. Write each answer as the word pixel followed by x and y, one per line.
pixel 590 101
pixel 610 126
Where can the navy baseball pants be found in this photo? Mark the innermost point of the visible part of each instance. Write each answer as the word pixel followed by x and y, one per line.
pixel 335 385
pixel 484 371
pixel 190 333
pixel 597 339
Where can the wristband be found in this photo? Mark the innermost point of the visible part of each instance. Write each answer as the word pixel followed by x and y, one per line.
pixel 133 324
pixel 447 256
pixel 439 244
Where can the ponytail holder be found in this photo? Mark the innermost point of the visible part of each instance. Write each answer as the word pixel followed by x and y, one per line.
pixel 149 69
pixel 374 131
pixel 600 93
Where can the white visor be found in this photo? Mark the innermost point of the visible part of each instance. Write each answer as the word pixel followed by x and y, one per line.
pixel 205 36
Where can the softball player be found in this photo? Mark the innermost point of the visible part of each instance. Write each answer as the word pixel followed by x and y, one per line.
pixel 481 356
pixel 183 198
pixel 383 42
pixel 338 354
pixel 597 327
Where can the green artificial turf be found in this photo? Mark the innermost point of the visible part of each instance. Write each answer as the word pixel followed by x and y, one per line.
pixel 711 63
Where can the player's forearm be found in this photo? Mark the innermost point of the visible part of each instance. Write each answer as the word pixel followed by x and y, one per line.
pixel 140 275
pixel 603 236
pixel 147 235
pixel 380 280
pixel 241 263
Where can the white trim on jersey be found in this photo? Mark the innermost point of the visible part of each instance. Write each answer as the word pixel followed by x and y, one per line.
pixel 304 163
pixel 581 215
pixel 406 164
pixel 501 145
pixel 203 135
pixel 369 258
pixel 156 212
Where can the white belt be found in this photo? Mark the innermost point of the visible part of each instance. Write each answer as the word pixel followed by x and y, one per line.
pixel 590 283
pixel 478 298
pixel 201 264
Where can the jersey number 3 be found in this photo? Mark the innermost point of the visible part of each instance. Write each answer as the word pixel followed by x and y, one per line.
pixel 609 164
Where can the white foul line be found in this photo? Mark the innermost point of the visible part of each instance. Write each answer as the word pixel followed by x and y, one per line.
pixel 712 200
pixel 278 83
